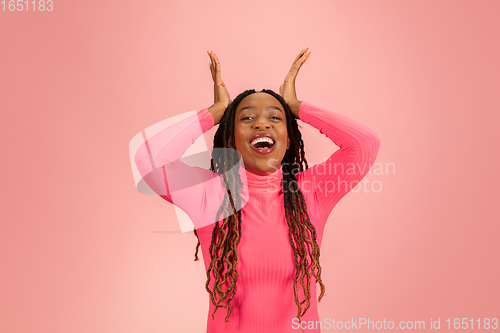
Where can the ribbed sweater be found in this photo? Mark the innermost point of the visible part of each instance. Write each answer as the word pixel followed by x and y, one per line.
pixel 264 300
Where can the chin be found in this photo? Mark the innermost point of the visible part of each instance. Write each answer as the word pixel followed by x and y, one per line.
pixel 268 169
pixel 263 164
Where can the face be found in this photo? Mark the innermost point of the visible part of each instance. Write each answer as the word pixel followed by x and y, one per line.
pixel 260 133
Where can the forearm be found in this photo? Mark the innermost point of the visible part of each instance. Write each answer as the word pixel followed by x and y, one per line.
pixel 348 134
pixel 295 107
pixel 171 143
pixel 217 111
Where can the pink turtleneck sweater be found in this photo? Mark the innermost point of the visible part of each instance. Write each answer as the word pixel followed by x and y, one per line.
pixel 264 300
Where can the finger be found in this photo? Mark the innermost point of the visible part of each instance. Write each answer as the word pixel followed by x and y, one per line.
pixel 217 64
pixel 211 57
pixel 210 63
pixel 296 66
pixel 301 53
pixel 299 56
pixel 294 70
pixel 213 66
pixel 303 58
pixel 217 68
pixel 307 57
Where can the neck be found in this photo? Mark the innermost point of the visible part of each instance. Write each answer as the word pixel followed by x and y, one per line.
pixel 259 172
pixel 270 182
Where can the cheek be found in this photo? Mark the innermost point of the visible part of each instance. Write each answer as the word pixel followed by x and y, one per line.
pixel 284 135
pixel 239 136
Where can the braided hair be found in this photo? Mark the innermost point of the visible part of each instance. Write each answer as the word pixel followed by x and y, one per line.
pixel 226 236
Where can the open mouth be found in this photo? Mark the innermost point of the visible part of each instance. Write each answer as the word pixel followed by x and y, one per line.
pixel 263 144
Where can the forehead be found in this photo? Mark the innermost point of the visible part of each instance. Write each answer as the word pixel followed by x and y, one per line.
pixel 259 99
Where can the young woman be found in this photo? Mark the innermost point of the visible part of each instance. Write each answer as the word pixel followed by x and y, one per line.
pixel 259 222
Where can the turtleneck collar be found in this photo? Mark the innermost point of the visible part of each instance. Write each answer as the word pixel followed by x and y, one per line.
pixel 256 183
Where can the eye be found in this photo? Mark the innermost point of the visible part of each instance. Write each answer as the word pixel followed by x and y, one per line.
pixel 245 118
pixel 275 117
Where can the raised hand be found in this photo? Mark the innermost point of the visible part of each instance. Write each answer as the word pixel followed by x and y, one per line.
pixel 287 89
pixel 221 95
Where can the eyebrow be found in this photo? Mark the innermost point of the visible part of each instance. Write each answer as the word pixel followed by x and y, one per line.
pixel 253 107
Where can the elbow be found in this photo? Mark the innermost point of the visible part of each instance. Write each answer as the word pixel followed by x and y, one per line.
pixel 366 147
pixel 140 154
pixel 375 141
pixel 374 146
pixel 372 140
pixel 369 148
pixel 142 160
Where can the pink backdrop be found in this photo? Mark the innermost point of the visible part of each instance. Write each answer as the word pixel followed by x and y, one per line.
pixel 83 251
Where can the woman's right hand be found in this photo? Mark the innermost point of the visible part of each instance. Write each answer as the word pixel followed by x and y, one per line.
pixel 221 95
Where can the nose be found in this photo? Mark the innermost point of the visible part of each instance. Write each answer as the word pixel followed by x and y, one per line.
pixel 261 124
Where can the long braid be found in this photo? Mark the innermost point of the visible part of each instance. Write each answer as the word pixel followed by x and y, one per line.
pixel 226 237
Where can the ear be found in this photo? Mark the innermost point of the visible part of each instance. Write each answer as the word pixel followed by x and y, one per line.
pixel 287 143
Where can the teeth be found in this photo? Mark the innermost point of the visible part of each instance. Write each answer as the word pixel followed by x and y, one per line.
pixel 262 139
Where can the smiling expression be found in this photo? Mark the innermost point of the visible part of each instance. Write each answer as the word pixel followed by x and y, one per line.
pixel 260 133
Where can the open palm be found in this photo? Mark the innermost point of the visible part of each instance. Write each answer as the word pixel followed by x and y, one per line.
pixel 287 89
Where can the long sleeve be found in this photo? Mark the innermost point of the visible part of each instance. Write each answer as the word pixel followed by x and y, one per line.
pixel 158 162
pixel 331 180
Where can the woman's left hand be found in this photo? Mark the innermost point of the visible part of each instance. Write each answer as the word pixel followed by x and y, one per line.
pixel 287 89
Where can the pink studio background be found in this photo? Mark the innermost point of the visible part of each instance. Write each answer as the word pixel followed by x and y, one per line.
pixel 83 251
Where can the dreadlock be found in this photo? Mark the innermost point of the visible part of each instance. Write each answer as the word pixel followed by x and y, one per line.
pixel 226 236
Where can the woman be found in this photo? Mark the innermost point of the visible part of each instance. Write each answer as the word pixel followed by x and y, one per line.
pixel 259 222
